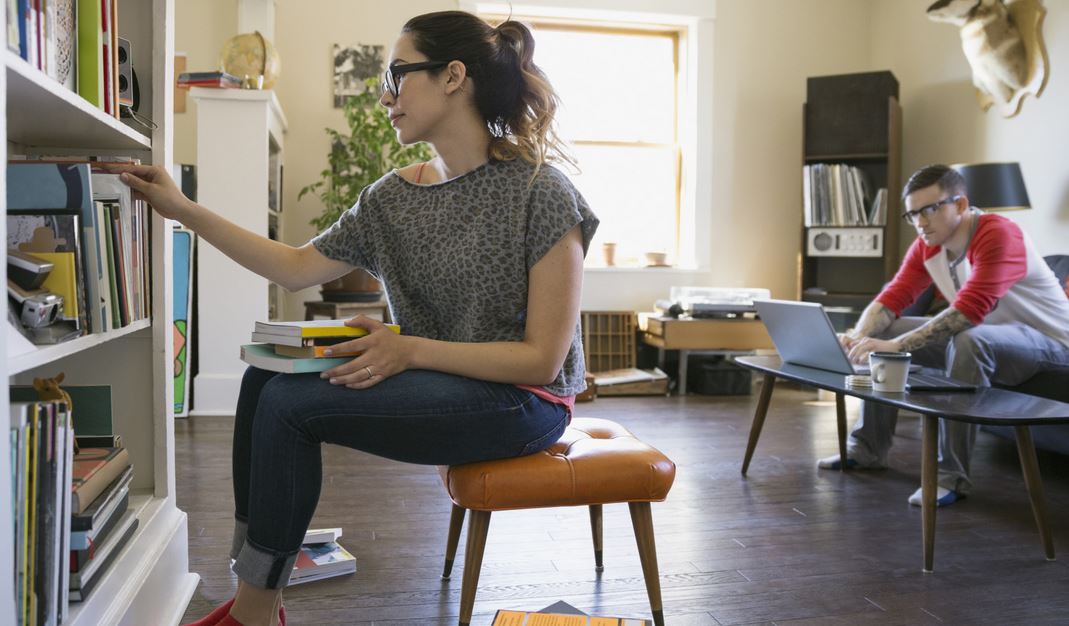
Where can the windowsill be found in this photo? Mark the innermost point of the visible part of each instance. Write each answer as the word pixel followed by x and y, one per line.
pixel 642 270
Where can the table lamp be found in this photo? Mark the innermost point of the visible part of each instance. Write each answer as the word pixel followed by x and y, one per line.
pixel 994 186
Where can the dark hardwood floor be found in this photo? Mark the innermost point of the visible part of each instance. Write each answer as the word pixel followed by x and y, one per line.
pixel 787 545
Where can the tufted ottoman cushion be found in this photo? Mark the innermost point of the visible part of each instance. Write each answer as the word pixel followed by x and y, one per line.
pixel 596 461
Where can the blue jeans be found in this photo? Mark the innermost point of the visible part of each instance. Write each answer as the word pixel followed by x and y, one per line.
pixel 417 416
pixel 1006 354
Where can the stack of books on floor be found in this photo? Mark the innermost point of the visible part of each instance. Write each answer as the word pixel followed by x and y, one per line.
pixel 217 80
pixel 321 557
pixel 300 347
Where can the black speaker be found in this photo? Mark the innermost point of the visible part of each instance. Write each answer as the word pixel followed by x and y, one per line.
pixel 848 113
pixel 126 74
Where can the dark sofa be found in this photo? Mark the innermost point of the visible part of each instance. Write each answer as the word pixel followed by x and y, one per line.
pixel 1052 384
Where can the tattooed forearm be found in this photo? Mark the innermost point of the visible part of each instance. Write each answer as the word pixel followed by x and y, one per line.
pixel 874 320
pixel 947 324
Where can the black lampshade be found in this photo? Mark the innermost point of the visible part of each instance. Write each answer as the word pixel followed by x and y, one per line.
pixel 994 186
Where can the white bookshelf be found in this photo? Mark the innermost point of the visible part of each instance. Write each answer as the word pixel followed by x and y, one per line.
pixel 239 149
pixel 150 581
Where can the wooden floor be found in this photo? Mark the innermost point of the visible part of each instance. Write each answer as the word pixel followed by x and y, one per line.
pixel 789 544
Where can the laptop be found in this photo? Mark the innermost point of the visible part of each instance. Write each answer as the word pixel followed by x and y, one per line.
pixel 803 335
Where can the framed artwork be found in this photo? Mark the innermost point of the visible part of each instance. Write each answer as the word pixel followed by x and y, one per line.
pixel 352 66
pixel 184 242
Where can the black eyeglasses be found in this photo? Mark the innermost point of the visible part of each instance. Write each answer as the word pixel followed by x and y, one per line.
pixel 927 210
pixel 391 78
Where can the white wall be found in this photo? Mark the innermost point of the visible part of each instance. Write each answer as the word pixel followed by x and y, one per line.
pixel 943 123
pixel 750 218
pixel 201 28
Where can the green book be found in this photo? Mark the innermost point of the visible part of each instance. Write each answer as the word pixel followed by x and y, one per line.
pixel 262 355
pixel 90 52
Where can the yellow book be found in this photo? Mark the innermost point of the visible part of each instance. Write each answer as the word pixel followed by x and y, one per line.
pixel 314 328
pixel 62 280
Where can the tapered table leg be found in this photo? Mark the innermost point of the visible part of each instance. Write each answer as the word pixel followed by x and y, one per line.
pixel 1032 481
pixel 767 385
pixel 929 481
pixel 840 422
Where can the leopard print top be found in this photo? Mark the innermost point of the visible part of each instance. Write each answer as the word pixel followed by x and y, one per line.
pixel 454 256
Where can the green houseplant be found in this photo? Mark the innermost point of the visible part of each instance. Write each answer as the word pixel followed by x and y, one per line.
pixel 356 160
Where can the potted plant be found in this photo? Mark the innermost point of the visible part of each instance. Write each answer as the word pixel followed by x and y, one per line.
pixel 356 160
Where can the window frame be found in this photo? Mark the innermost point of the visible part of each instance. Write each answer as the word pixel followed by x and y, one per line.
pixel 677 35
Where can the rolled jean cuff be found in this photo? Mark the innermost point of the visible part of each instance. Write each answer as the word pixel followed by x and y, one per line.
pixel 241 529
pixel 264 568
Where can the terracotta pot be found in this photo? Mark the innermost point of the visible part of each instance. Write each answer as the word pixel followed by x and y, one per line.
pixel 356 281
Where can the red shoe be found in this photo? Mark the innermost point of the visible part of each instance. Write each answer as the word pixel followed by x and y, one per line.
pixel 216 616
pixel 230 621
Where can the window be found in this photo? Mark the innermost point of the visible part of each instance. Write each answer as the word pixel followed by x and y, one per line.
pixel 619 112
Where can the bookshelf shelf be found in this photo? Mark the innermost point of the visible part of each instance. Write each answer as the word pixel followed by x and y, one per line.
pixel 856 120
pixel 48 354
pixel 149 582
pixel 43 113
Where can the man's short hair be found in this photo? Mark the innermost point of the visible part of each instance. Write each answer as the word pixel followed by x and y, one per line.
pixel 948 179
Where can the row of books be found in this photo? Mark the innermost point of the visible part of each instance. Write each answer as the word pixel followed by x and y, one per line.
pixel 300 347
pixel 835 194
pixel 76 42
pixel 219 80
pixel 83 219
pixel 71 516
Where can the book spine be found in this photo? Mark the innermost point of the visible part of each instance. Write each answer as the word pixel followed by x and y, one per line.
pixel 95 484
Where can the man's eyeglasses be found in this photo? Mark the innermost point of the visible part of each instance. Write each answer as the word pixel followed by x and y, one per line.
pixel 391 78
pixel 928 210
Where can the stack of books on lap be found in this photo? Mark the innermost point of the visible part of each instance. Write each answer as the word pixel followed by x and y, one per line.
pixel 101 522
pixel 300 347
pixel 218 80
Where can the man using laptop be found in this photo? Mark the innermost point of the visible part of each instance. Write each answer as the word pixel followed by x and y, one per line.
pixel 1008 318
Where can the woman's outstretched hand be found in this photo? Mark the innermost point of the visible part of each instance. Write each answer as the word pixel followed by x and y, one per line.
pixel 153 184
pixel 383 353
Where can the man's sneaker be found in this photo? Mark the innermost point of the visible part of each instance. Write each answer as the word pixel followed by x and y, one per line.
pixel 943 497
pixel 832 463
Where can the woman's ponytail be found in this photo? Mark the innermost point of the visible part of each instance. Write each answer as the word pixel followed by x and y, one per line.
pixel 511 93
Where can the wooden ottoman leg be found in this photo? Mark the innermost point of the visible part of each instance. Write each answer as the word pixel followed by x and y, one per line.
pixel 1030 468
pixel 642 520
pixel 758 419
pixel 478 525
pixel 456 522
pixel 595 531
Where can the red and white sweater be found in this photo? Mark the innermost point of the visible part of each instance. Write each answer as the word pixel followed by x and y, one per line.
pixel 1003 279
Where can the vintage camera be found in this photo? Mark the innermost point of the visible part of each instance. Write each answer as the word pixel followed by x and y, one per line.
pixel 37 308
pixel 41 310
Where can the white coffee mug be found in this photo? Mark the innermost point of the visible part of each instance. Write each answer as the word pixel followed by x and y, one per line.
pixel 889 371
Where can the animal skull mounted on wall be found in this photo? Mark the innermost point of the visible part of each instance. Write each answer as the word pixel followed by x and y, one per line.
pixel 1004 46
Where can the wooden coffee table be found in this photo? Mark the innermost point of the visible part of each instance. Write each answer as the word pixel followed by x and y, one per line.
pixel 986 406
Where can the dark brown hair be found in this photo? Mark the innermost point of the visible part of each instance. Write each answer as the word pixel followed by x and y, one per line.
pixel 948 179
pixel 511 92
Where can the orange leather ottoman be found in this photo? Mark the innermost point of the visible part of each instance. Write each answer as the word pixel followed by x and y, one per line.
pixel 595 462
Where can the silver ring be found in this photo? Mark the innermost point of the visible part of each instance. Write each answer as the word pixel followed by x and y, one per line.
pixel 370 374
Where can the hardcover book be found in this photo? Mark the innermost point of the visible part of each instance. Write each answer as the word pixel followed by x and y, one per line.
pixel 319 561
pixel 315 328
pixel 263 356
pixel 94 470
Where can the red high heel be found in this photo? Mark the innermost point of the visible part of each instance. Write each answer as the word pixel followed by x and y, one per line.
pixel 216 616
pixel 221 616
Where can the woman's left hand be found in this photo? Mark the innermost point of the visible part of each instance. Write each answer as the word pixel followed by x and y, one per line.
pixel 383 353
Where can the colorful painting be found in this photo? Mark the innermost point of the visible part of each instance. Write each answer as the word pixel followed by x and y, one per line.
pixel 184 241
